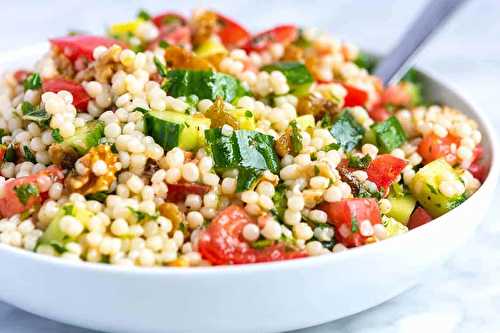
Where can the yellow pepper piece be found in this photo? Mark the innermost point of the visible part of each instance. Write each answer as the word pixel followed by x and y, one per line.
pixel 122 28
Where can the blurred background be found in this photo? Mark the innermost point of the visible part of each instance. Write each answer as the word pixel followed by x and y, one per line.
pixel 463 295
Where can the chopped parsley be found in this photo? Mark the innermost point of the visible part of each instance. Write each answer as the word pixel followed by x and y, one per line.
pixel 28 154
pixel 141 110
pixel 141 216
pixel 56 135
pixel 359 162
pixel 10 154
pixel 331 146
pixel 69 210
pixel 60 249
pixel 164 44
pixel 31 113
pixel 25 191
pixel 32 82
pixel 354 225
pixel 261 244
pixel 98 196
pixel 295 139
pixel 161 68
pixel 144 15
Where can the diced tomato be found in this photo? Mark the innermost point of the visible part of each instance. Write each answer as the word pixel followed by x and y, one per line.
pixel 343 213
pixel 175 35
pixel 396 95
pixel 222 242
pixel 179 192
pixel 433 147
pixel 80 97
pixel 384 170
pixel 168 18
pixel 477 153
pixel 231 33
pixel 74 47
pixel 479 170
pixel 3 150
pixel 10 203
pixel 21 75
pixel 283 34
pixel 419 217
pixel 379 113
pixel 355 96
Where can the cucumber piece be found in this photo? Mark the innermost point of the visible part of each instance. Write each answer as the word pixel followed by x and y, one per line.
pixel 53 235
pixel 402 207
pixel 204 84
pixel 305 121
pixel 245 118
pixel 297 75
pixel 347 131
pixel 85 137
pixel 210 47
pixel 172 129
pixel 389 134
pixel 425 188
pixel 370 137
pixel 393 227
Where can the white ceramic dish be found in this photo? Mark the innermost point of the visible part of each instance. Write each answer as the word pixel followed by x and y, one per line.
pixel 252 298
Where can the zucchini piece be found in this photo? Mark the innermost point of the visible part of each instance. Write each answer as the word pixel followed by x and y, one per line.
pixel 347 131
pixel 250 152
pixel 389 134
pixel 393 227
pixel 210 47
pixel 204 84
pixel 402 207
pixel 53 235
pixel 245 118
pixel 425 188
pixel 172 129
pixel 305 121
pixel 297 75
pixel 85 137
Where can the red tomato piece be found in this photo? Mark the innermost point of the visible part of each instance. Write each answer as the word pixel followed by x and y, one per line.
pixel 3 150
pixel 343 213
pixel 384 170
pixel 80 97
pixel 74 47
pixel 283 34
pixel 168 18
pixel 222 242
pixel 21 75
pixel 179 192
pixel 419 217
pixel 396 95
pixel 477 153
pixel 10 204
pixel 379 113
pixel 231 33
pixel 175 35
pixel 355 96
pixel 479 170
pixel 433 147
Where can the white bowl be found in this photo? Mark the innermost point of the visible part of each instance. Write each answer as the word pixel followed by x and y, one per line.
pixel 253 298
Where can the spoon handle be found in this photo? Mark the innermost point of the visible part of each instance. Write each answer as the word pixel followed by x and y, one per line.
pixel 392 68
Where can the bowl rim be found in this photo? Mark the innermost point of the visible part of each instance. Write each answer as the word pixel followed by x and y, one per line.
pixel 302 263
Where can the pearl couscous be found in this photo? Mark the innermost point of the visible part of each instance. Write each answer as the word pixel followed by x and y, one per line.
pixel 190 142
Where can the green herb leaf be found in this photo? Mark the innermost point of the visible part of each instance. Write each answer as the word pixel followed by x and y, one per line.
pixel 347 131
pixel 366 62
pixel 389 134
pixel 160 67
pixel 164 44
pixel 143 14
pixel 98 196
pixel 142 216
pixel 69 210
pixel 261 244
pixel 141 110
pixel 331 146
pixel 10 154
pixel 30 113
pixel 28 155
pixel 296 139
pixel 56 135
pixel 357 162
pixel 25 191
pixel 280 201
pixel 33 82
pixel 2 134
pixel 60 249
pixel 354 225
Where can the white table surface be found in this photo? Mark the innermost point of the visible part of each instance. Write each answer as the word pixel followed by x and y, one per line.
pixel 461 296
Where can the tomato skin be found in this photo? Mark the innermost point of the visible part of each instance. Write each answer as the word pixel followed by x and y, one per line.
pixel 80 97
pixel 479 170
pixel 74 47
pixel 433 147
pixel 174 35
pixel 419 217
pixel 179 192
pixel 396 95
pixel 355 96
pixel 10 203
pixel 231 33
pixel 379 113
pixel 222 242
pixel 3 150
pixel 283 34
pixel 342 213
pixel 159 20
pixel 384 170
pixel 21 75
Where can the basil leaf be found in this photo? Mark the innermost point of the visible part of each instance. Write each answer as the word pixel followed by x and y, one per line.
pixel 33 82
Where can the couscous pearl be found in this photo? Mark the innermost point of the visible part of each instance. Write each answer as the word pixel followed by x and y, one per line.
pixel 314 248
pixel 292 217
pixel 366 228
pixel 271 230
pixel 296 203
pixel 99 168
pixel 190 172
pixel 194 219
pixel 119 227
pixel 303 231
pixel 228 185
pixel 135 184
pixel 251 232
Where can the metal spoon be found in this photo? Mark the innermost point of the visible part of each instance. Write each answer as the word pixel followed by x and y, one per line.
pixel 392 68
